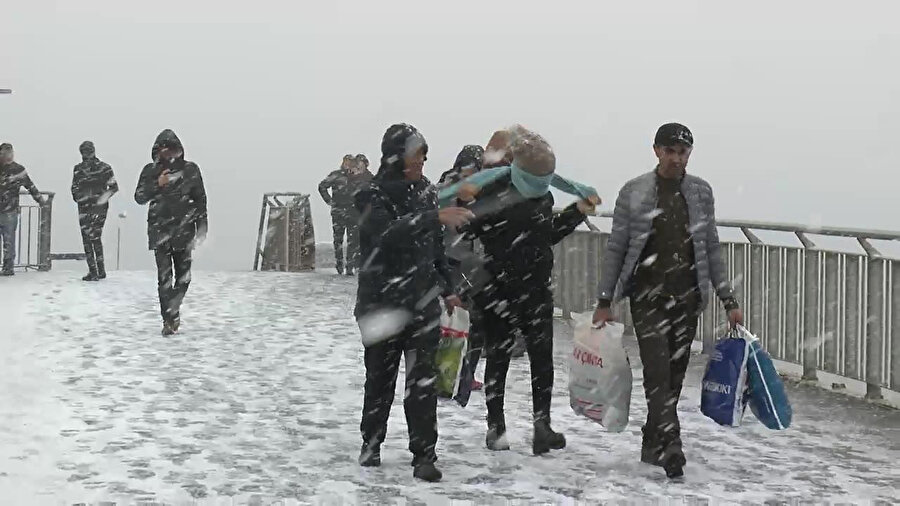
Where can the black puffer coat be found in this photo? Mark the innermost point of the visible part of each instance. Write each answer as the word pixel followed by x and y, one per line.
pixel 401 238
pixel 177 214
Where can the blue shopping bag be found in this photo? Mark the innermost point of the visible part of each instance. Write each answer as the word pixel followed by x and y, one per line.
pixel 768 398
pixel 723 397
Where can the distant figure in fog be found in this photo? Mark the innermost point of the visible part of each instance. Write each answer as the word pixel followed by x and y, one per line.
pixel 12 178
pixel 337 191
pixel 404 272
pixel 176 221
pixel 93 183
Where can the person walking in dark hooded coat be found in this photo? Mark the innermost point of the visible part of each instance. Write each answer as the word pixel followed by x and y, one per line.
pixel 515 221
pixel 93 184
pixel 403 274
pixel 176 221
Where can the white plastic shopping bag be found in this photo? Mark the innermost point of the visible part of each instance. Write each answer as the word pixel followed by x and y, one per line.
pixel 451 351
pixel 600 375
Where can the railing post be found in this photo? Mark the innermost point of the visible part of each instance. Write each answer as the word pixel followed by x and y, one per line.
pixel 259 236
pixel 810 339
pixel 44 234
pixel 875 297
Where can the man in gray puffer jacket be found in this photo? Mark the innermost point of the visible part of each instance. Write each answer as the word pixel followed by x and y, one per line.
pixel 664 255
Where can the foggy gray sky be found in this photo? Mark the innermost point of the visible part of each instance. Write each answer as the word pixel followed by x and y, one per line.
pixel 793 105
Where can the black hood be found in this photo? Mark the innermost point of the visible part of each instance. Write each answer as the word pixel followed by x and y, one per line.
pixel 398 140
pixel 166 139
pixel 87 149
pixel 471 156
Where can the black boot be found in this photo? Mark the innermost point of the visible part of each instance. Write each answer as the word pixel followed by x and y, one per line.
pixel 495 440
pixel 427 471
pixel 92 263
pixel 674 466
pixel 651 448
pixel 370 455
pixel 101 269
pixel 168 329
pixel 545 439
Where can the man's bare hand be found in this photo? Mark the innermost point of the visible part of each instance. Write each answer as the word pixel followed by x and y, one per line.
pixel 588 205
pixel 164 179
pixel 455 217
pixel 452 302
pixel 603 315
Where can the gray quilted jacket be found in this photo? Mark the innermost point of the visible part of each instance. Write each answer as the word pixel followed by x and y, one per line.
pixel 633 222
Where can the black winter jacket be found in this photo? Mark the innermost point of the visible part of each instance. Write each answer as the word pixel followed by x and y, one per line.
pixel 177 214
pixel 518 235
pixel 13 177
pixel 93 183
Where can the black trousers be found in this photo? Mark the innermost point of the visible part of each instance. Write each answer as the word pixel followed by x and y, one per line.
pixel 92 220
pixel 503 317
pixel 418 343
pixel 345 222
pixel 665 327
pixel 173 272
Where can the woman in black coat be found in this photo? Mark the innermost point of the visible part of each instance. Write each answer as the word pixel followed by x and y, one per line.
pixel 403 274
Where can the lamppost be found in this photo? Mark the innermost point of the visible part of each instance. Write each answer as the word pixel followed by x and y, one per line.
pixel 122 217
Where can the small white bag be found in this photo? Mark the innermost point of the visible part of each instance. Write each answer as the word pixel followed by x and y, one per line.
pixel 600 377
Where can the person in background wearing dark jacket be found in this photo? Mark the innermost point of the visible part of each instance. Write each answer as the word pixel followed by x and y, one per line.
pixel 93 184
pixel 404 272
pixel 466 259
pixel 337 191
pixel 176 222
pixel 12 177
pixel 516 224
pixel 663 253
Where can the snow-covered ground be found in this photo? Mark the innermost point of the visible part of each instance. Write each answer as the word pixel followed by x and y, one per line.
pixel 258 399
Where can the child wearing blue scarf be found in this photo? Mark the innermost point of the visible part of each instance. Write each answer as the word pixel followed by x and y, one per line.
pixel 515 222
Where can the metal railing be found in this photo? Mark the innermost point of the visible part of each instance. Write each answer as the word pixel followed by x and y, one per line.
pixel 824 310
pixel 33 233
pixel 286 239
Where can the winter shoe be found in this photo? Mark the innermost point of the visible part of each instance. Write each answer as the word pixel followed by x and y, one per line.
pixel 168 329
pixel 176 324
pixel 91 277
pixel 496 440
pixel 674 467
pixel 427 471
pixel 546 439
pixel 370 455
pixel 7 273
pixel 350 272
pixel 518 349
pixel 340 270
pixel 651 449
pixel 101 270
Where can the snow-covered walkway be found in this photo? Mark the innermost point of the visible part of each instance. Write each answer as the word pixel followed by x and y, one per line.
pixel 259 398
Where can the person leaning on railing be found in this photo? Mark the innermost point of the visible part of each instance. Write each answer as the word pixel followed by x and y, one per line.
pixel 12 177
pixel 663 254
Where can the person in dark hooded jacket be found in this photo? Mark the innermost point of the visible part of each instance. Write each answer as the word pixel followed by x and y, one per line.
pixel 176 221
pixel 516 224
pixel 403 274
pixel 93 184
pixel 465 257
